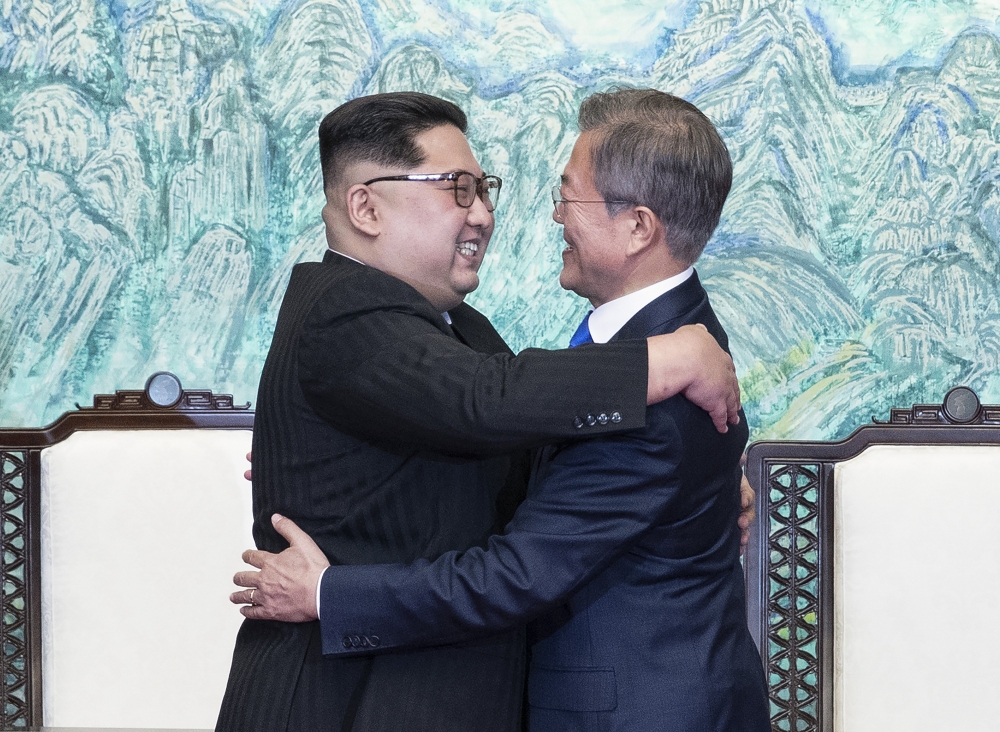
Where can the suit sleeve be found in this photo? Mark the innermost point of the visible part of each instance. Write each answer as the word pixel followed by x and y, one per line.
pixel 598 498
pixel 391 374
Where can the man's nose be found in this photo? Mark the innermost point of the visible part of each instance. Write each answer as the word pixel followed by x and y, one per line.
pixel 479 214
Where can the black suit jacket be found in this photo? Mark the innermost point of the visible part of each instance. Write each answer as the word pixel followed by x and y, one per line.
pixel 629 544
pixel 387 435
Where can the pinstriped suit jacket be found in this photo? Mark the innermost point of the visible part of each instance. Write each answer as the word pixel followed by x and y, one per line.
pixel 389 436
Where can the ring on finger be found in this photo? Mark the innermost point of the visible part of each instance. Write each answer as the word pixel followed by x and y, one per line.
pixel 252 590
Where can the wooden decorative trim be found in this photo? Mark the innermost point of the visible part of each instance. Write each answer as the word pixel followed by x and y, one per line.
pixel 138 401
pixel 134 410
pixel 960 407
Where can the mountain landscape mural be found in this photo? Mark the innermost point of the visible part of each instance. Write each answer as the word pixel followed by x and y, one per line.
pixel 159 178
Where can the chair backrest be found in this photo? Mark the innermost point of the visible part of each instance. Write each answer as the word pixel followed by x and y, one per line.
pixel 873 573
pixel 122 526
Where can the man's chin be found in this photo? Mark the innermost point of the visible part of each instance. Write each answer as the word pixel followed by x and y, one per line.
pixel 469 286
pixel 565 281
pixel 459 293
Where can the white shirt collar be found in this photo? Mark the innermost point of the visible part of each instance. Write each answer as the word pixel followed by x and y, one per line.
pixel 609 318
pixel 445 315
pixel 348 256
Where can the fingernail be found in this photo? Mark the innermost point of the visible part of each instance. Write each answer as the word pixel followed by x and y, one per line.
pixel 276 517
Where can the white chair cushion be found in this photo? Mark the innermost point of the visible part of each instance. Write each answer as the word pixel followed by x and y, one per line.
pixel 142 532
pixel 917 589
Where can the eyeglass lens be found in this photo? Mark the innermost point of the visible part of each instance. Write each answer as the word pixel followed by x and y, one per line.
pixel 467 187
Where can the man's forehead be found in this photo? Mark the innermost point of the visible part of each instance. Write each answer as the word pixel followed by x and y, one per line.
pixel 577 171
pixel 446 150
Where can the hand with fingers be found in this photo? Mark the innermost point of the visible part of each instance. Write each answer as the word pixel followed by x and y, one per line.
pixel 285 587
pixel 747 510
pixel 690 361
pixel 248 474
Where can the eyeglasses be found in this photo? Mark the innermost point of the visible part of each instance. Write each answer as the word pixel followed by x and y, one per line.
pixel 558 201
pixel 466 186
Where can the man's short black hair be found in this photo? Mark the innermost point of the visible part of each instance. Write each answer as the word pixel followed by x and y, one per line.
pixel 656 150
pixel 381 128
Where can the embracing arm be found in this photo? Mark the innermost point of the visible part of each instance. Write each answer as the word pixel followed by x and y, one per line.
pixel 598 499
pixel 392 372
pixel 288 586
pixel 397 376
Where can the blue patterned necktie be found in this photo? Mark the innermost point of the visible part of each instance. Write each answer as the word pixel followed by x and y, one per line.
pixel 582 334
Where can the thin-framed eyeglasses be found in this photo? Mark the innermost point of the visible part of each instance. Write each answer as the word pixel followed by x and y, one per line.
pixel 558 201
pixel 466 186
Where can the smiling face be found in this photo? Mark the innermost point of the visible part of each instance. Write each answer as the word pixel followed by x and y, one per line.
pixel 594 260
pixel 425 238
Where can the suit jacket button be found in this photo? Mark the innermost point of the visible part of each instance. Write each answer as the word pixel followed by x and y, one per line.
pixel 577 422
pixel 375 640
pixel 616 417
pixel 347 642
pixel 602 418
pixel 591 420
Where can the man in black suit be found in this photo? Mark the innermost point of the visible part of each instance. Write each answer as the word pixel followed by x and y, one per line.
pixel 390 414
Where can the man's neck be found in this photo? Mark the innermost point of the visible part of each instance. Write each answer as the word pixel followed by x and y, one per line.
pixel 644 269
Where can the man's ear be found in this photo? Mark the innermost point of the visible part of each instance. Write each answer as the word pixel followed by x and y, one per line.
pixel 647 230
pixel 362 211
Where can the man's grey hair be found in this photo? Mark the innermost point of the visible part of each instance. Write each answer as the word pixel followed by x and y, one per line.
pixel 656 150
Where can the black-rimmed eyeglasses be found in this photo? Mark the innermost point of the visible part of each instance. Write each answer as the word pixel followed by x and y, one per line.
pixel 466 186
pixel 558 201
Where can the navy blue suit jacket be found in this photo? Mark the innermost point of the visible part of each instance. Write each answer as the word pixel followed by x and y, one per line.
pixel 626 552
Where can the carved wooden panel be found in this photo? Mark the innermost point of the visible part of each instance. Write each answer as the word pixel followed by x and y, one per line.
pixel 793 601
pixel 15 679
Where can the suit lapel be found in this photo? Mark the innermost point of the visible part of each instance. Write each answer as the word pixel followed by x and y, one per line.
pixel 455 331
pixel 674 305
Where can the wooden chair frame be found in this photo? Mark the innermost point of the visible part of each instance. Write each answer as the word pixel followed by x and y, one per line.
pixel 20 498
pixel 789 561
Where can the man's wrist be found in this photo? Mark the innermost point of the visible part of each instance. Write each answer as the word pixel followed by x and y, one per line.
pixel 667 367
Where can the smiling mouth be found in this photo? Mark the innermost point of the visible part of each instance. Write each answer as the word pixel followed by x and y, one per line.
pixel 468 248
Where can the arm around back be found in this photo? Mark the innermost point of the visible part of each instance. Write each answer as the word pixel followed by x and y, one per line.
pixel 387 368
pixel 598 499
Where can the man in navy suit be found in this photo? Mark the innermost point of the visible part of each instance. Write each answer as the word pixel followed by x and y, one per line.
pixel 626 551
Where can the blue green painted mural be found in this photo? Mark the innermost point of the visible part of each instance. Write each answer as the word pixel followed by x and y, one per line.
pixel 159 178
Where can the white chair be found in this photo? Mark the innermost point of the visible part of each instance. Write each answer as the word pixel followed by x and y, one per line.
pixel 122 527
pixel 873 573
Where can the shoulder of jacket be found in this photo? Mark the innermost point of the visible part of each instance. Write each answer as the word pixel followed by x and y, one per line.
pixel 337 292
